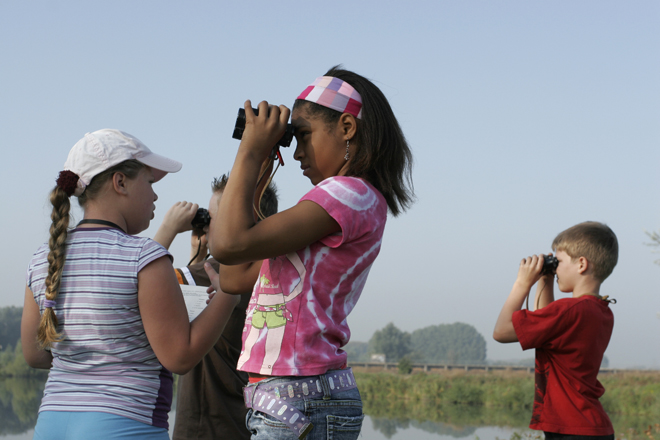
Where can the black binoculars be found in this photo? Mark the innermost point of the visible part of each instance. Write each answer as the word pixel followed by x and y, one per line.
pixel 550 264
pixel 202 218
pixel 285 141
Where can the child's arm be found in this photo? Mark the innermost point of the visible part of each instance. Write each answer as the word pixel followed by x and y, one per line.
pixel 544 292
pixel 35 356
pixel 234 235
pixel 177 219
pixel 240 278
pixel 528 274
pixel 179 344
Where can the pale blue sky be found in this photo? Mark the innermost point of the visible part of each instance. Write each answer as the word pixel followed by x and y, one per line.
pixel 524 118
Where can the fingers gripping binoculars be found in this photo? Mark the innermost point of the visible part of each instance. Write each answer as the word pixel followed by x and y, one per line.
pixel 239 128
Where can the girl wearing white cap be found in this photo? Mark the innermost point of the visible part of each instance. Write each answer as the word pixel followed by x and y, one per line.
pixel 103 308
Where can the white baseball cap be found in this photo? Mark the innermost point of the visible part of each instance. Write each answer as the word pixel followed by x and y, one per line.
pixel 103 149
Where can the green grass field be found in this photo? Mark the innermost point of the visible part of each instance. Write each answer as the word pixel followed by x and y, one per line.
pixel 501 398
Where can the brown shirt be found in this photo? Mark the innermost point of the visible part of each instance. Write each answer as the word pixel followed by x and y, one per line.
pixel 209 401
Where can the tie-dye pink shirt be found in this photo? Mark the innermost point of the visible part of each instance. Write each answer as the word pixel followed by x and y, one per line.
pixel 296 320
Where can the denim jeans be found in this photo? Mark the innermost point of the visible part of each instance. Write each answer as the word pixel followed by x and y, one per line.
pixel 335 417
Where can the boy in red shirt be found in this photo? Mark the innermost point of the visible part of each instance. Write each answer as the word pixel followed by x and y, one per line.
pixel 570 335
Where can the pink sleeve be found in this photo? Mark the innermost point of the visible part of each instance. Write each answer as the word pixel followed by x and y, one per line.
pixel 353 203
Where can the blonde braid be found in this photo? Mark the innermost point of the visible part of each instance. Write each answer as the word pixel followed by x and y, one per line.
pixel 47 333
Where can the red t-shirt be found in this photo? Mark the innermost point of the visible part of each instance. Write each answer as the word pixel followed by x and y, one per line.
pixel 570 336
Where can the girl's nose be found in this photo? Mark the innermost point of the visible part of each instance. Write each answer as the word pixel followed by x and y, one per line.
pixel 155 197
pixel 298 153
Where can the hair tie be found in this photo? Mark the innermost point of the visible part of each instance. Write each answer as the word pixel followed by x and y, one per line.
pixel 49 303
pixel 334 93
pixel 67 181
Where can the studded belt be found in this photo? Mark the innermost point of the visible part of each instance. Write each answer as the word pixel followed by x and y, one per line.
pixel 274 398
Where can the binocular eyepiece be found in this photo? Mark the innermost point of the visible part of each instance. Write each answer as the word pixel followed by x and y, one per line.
pixel 285 141
pixel 550 264
pixel 201 219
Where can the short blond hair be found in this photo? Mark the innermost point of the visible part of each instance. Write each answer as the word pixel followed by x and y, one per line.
pixel 594 241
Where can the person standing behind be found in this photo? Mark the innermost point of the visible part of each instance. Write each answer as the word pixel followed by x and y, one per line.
pixel 103 310
pixel 570 335
pixel 209 402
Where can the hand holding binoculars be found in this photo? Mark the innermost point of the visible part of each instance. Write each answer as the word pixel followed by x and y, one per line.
pixel 239 128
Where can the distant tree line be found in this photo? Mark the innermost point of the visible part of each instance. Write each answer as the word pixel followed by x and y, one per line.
pixel 457 343
pixel 10 326
pixel 21 387
pixel 20 398
pixel 12 362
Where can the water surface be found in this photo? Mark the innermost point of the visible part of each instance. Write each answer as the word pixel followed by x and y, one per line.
pixel 20 399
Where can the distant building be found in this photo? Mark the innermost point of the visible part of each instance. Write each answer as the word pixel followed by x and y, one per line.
pixel 378 357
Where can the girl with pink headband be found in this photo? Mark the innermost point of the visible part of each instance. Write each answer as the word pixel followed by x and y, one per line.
pixel 317 254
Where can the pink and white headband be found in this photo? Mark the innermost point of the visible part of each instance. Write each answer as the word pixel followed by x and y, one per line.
pixel 334 93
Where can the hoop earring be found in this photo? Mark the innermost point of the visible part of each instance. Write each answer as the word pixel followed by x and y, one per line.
pixel 346 156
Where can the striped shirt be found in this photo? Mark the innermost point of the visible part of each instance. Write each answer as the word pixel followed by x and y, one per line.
pixel 104 362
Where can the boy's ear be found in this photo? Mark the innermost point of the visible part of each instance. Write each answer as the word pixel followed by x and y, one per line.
pixel 119 183
pixel 583 265
pixel 348 126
